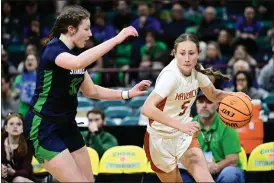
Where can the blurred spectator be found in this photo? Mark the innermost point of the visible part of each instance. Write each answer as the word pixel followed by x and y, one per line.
pixel 241 53
pixel 210 25
pixel 195 9
pixel 219 143
pixel 7 68
pixel 10 25
pixel 176 26
pixel 214 57
pixel 102 31
pixel 9 104
pixel 123 53
pixel 97 137
pixel 31 11
pixel 270 35
pixel 145 21
pixel 29 49
pixel 35 33
pixel 241 65
pixel 123 16
pixel 225 44
pixel 25 83
pixel 159 11
pixel 266 76
pixel 154 48
pixel 243 83
pixel 16 155
pixel 265 9
pixel 247 30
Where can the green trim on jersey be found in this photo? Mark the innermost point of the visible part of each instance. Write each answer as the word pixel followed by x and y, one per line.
pixel 41 153
pixel 46 88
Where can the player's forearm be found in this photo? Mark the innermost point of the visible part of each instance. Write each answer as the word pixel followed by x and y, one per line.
pixel 152 112
pixel 106 93
pixel 219 95
pixel 91 55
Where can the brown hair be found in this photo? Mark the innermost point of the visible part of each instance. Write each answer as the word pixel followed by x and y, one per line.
pixel 97 111
pixel 71 15
pixel 22 149
pixel 198 67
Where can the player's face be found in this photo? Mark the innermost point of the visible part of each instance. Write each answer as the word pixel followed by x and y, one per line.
pixel 31 63
pixel 82 35
pixel 187 56
pixel 14 126
pixel 205 108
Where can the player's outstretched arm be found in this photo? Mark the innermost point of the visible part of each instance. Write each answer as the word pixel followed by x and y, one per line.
pixel 72 62
pixel 91 90
pixel 151 111
pixel 216 95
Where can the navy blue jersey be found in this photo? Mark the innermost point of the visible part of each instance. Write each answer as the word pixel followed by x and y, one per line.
pixel 56 88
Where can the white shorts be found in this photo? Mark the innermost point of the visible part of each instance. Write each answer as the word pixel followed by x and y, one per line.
pixel 164 153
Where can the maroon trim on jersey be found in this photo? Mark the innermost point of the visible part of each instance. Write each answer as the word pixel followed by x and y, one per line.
pixel 160 106
pixel 146 148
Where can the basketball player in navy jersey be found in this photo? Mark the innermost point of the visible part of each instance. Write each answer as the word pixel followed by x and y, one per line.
pixel 50 124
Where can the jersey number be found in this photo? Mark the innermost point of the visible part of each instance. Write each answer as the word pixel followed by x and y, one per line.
pixel 184 108
pixel 74 83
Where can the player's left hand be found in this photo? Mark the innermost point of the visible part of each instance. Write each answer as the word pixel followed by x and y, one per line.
pixel 241 93
pixel 140 88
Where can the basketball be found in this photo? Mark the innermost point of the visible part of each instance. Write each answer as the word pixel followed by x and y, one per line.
pixel 235 110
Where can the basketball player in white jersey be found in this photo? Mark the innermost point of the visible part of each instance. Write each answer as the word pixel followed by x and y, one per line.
pixel 171 136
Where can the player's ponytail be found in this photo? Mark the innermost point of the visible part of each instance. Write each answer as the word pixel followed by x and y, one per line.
pixel 198 67
pixel 70 16
pixel 209 71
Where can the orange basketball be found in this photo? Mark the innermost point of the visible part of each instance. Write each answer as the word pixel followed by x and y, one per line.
pixel 235 110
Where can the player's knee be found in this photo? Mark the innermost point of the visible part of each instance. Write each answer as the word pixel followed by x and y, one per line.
pixel 193 156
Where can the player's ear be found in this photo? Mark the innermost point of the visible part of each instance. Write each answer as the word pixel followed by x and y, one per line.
pixel 71 30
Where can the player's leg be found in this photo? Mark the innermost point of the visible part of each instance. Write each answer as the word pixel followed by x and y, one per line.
pixel 50 150
pixel 173 176
pixel 64 168
pixel 158 153
pixel 82 159
pixel 73 139
pixel 194 161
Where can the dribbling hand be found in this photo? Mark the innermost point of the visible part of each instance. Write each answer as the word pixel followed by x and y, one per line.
pixel 126 32
pixel 140 88
pixel 190 128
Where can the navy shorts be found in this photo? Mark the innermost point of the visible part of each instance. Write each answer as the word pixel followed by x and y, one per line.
pixel 49 138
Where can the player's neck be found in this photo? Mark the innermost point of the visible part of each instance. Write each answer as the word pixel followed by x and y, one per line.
pixel 67 41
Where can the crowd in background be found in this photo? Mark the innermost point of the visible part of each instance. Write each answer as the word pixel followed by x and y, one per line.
pixel 236 38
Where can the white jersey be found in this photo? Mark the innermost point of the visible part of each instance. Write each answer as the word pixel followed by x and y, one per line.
pixel 179 93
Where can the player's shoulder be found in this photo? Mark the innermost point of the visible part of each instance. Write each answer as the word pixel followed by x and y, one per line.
pixel 55 45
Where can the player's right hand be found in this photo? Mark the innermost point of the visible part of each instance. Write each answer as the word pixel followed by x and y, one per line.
pixel 190 128
pixel 126 32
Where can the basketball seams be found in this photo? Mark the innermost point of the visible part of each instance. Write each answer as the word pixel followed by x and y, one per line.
pixel 234 120
pixel 236 109
pixel 244 103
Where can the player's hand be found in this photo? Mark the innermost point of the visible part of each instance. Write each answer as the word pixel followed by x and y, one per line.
pixel 190 128
pixel 241 93
pixel 140 88
pixel 126 32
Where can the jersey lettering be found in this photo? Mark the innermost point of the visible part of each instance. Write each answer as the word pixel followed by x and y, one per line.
pixel 73 85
